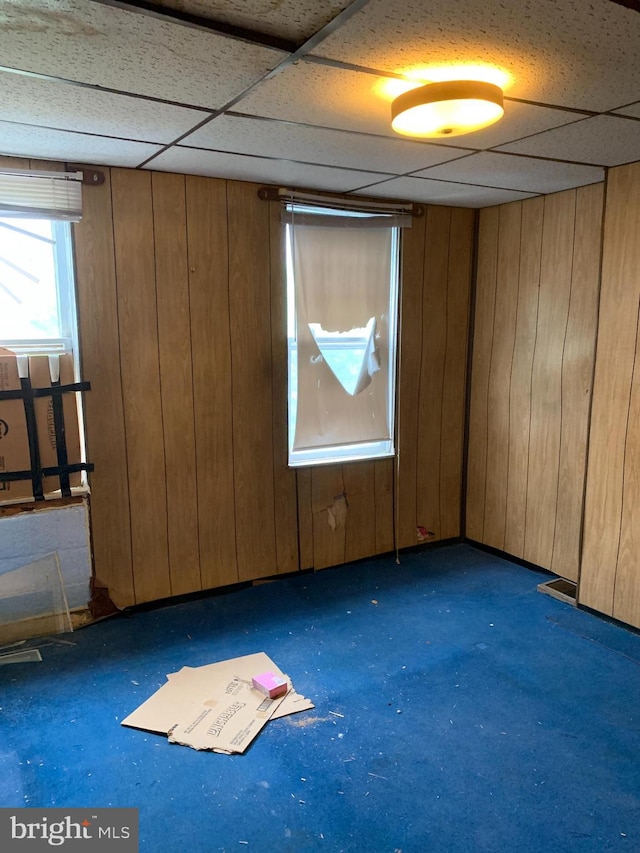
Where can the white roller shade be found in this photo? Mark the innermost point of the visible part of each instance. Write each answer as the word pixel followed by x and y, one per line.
pixel 46 195
pixel 345 317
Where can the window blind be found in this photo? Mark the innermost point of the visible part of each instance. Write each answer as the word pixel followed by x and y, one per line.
pixel 41 195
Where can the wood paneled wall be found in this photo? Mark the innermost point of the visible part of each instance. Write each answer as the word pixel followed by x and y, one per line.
pixel 435 329
pixel 533 351
pixel 436 271
pixel 183 337
pixel 610 578
pixel 174 291
pixel 182 318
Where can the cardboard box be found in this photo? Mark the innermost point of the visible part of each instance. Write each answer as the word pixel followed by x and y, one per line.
pixel 270 684
pixel 14 442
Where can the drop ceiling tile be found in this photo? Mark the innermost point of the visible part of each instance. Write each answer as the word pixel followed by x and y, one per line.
pixel 70 107
pixel 88 42
pixel 507 171
pixel 631 110
pixel 442 192
pixel 519 120
pixel 323 95
pixel 291 19
pixel 25 141
pixel 317 145
pixel 260 169
pixel 606 140
pixel 565 52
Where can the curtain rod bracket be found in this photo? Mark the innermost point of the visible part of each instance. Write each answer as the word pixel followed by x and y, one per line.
pixel 90 177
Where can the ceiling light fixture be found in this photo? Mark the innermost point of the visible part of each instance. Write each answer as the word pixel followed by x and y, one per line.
pixel 450 108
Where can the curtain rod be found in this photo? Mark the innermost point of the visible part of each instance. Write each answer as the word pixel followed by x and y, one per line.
pixel 84 174
pixel 343 203
pixel 28 173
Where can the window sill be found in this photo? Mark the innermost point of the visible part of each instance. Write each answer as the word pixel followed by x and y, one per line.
pixel 51 500
pixel 310 460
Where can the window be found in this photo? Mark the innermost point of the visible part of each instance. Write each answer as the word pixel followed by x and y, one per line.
pixel 38 319
pixel 342 294
pixel 37 304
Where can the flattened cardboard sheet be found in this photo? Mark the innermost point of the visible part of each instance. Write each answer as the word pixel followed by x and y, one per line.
pixel 215 707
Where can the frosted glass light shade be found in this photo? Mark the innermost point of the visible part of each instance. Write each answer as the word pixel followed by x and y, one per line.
pixel 447 109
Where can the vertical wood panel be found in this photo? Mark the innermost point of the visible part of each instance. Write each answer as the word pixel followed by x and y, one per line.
pixel 284 478
pixel 577 373
pixel 250 323
pixel 211 355
pixel 359 486
pixel 504 327
pixel 454 389
pixel 45 165
pixel 305 517
pixel 546 387
pixel 413 246
pixel 626 599
pixel 103 406
pixel 330 510
pixel 482 345
pixel 531 368
pixel 344 514
pixel 521 373
pixel 626 588
pixel 383 485
pixel 610 556
pixel 431 389
pixel 174 334
pixel 14 162
pixel 138 325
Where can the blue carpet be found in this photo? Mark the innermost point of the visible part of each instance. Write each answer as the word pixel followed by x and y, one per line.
pixel 463 711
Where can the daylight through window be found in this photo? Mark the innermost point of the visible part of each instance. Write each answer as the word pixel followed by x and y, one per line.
pixel 37 297
pixel 37 312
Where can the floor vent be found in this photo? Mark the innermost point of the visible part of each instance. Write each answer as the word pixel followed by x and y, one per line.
pixel 560 588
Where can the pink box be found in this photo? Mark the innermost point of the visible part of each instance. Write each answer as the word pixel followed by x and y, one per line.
pixel 270 684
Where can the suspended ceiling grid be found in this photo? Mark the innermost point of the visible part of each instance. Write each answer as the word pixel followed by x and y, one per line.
pixel 298 92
